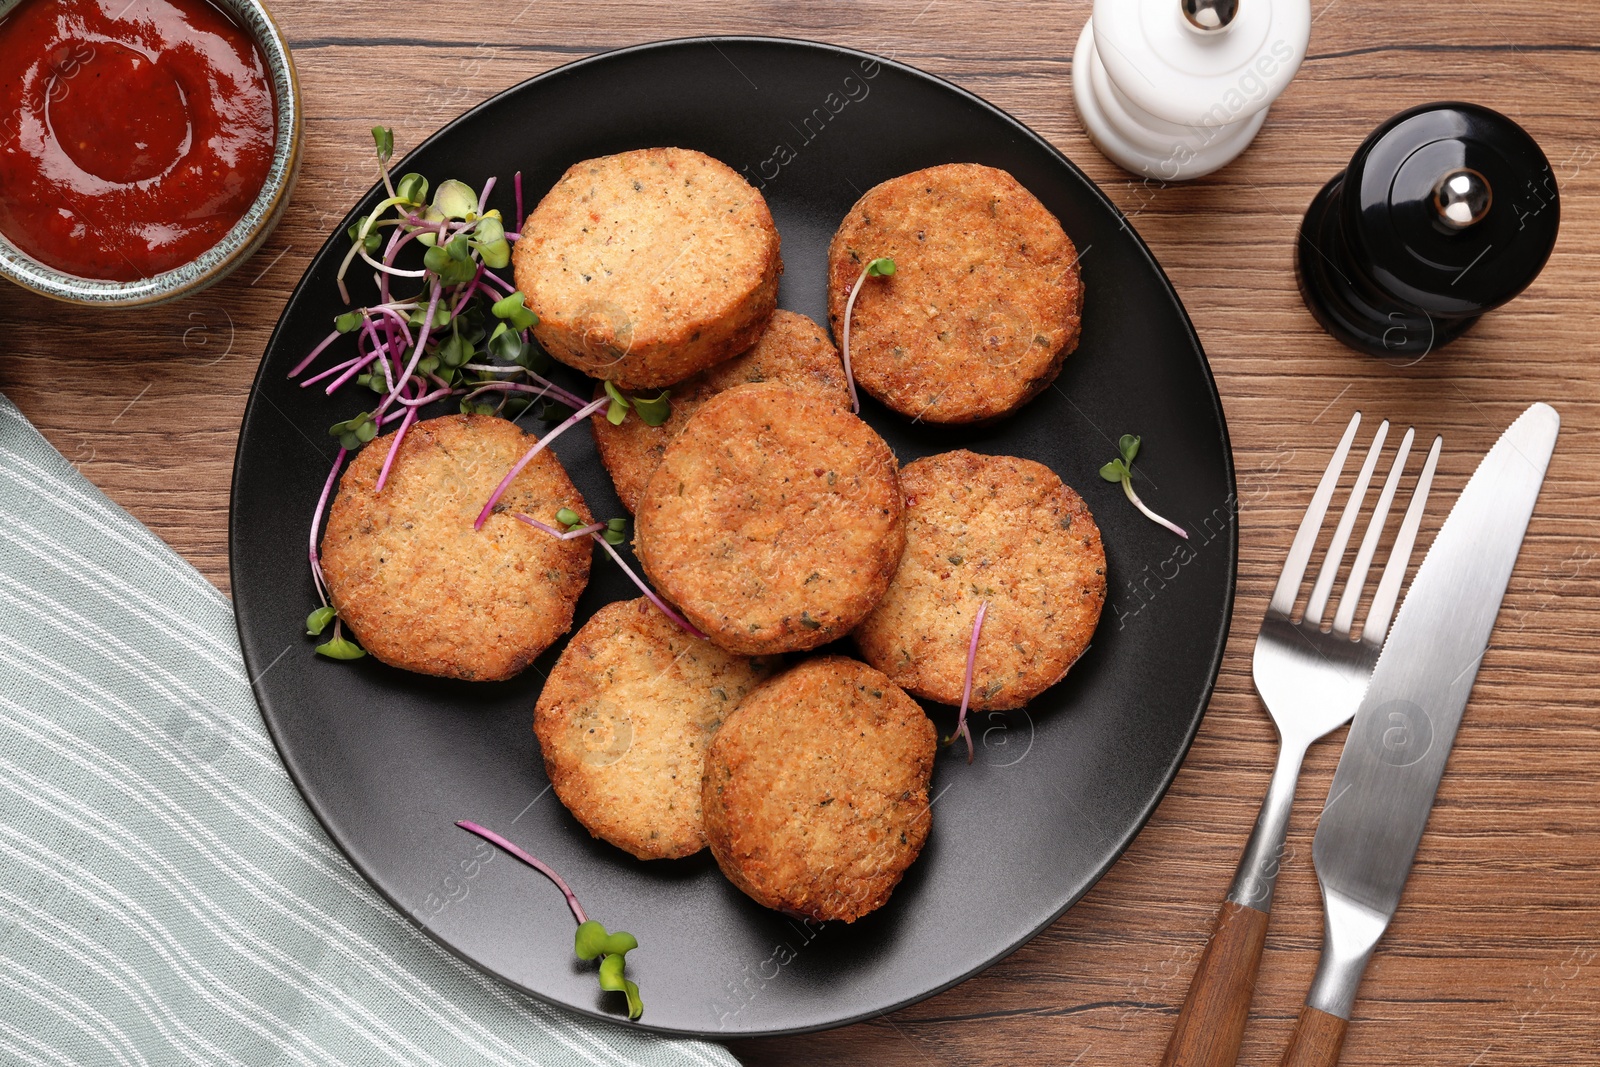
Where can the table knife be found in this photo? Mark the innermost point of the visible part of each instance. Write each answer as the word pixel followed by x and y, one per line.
pixel 1400 738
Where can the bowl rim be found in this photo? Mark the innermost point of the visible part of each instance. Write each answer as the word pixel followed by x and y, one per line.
pixel 239 243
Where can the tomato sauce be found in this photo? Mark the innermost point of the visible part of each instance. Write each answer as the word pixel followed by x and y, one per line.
pixel 133 135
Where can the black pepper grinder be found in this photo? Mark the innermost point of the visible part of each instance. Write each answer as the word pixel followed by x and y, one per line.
pixel 1445 212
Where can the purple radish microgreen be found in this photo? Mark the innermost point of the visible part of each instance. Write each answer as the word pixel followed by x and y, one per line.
pixel 608 535
pixel 1121 470
pixel 463 333
pixel 505 483
pixel 962 730
pixel 882 267
pixel 591 940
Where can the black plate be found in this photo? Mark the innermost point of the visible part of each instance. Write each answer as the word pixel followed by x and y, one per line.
pixel 389 760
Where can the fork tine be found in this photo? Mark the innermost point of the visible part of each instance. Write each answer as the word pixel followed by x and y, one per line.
pixel 1305 539
pixel 1376 627
pixel 1350 599
pixel 1341 534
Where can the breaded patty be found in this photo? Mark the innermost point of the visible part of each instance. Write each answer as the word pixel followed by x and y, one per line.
pixel 816 790
pixel 774 521
pixel 996 529
pixel 624 720
pixel 793 350
pixel 423 590
pixel 983 306
pixel 648 266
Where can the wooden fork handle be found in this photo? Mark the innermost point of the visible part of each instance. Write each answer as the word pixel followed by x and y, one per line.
pixel 1211 1023
pixel 1318 1038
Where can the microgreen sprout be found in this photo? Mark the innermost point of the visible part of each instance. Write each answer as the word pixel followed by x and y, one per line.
pixel 337 647
pixel 652 411
pixel 962 730
pixel 608 535
pixel 462 333
pixel 882 267
pixel 591 940
pixel 527 458
pixel 1121 470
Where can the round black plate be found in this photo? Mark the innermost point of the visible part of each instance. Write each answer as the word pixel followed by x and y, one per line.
pixel 389 760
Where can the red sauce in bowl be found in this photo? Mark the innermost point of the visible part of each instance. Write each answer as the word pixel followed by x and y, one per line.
pixel 133 135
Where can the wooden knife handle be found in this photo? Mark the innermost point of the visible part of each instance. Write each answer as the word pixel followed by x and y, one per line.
pixel 1211 1024
pixel 1317 1039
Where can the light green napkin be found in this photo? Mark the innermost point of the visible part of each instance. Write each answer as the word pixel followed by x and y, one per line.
pixel 165 896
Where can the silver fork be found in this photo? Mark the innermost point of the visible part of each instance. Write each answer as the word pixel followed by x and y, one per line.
pixel 1311 682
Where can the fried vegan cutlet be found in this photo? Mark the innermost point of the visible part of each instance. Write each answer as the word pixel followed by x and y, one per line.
pixel 624 720
pixel 983 307
pixel 774 521
pixel 419 587
pixel 648 266
pixel 815 793
pixel 995 529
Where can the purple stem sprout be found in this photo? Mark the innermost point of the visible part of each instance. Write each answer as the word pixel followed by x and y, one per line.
pixel 527 458
pixel 315 352
pixel 962 730
pixel 532 861
pixel 582 531
pixel 316 525
pixel 516 184
pixel 666 609
pixel 436 291
pixel 1127 487
pixel 594 531
pixel 394 447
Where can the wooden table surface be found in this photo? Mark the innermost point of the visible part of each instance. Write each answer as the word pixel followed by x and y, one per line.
pixel 1494 957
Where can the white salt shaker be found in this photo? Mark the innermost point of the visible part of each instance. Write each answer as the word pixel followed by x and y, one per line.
pixel 1173 89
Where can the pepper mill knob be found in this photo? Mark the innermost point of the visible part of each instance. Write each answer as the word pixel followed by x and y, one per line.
pixel 1173 89
pixel 1445 212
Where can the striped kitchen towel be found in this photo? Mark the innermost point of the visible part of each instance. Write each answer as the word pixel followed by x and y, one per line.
pixel 165 895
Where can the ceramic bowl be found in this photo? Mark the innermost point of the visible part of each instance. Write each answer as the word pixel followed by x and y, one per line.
pixel 241 242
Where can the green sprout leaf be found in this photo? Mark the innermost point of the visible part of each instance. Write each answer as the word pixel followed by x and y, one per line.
pixel 616 531
pixel 355 432
pixel 347 322
pixel 569 518
pixel 514 309
pixel 489 230
pixel 318 621
pixel 456 351
pixel 341 648
pixel 383 137
pixel 413 189
pixel 619 405
pixel 635 1002
pixel 506 344
pixel 452 262
pixel 655 411
pixel 456 199
pixel 611 973
pixel 881 267
pixel 589 941
pixel 441 316
pixel 372 241
pixel 1121 470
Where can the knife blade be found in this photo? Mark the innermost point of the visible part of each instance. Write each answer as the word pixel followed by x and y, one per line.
pixel 1400 739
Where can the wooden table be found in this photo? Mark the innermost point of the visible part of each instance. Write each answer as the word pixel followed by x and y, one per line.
pixel 1494 958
